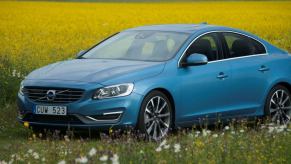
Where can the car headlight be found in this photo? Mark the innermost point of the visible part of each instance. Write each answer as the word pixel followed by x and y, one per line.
pixel 21 88
pixel 113 91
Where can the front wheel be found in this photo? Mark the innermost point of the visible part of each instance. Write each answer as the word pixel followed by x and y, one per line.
pixel 155 118
pixel 278 105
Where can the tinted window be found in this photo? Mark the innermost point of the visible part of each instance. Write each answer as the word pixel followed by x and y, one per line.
pixel 139 45
pixel 206 45
pixel 239 45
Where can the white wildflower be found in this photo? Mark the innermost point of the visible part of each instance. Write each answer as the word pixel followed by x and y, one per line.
pixel 66 138
pixel 115 159
pixel 167 146
pixel 163 143
pixel 92 152
pixel 232 132
pixel 14 73
pixel 62 162
pixel 215 135
pixel 242 131
pixel 35 155
pixel 283 127
pixel 271 129
pixel 205 132
pixel 43 159
pixel 226 128
pixel 103 158
pixel 3 162
pixel 158 149
pixel 177 148
pixel 279 130
pixel 18 75
pixel 81 160
pixel 190 135
pixel 197 133
pixel 30 151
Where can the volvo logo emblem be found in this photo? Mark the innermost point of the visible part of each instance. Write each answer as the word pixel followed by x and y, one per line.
pixel 50 95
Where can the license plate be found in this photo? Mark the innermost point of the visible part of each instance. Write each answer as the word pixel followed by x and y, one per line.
pixel 51 110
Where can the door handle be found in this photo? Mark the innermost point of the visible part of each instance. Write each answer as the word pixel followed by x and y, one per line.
pixel 263 69
pixel 222 76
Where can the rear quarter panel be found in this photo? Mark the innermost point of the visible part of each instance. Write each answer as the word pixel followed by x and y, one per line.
pixel 280 69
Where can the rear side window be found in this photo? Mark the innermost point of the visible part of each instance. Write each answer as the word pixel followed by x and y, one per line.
pixel 240 45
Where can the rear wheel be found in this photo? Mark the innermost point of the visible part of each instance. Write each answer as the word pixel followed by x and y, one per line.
pixel 278 105
pixel 155 118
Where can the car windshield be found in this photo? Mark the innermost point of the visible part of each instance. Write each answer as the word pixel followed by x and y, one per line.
pixel 139 45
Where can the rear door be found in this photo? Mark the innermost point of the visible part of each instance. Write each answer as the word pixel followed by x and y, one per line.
pixel 250 72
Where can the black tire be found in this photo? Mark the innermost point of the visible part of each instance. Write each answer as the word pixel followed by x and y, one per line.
pixel 142 126
pixel 274 106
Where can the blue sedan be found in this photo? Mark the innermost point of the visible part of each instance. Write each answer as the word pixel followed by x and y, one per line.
pixel 160 77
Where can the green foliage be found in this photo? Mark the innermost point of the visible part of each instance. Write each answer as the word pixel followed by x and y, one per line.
pixel 236 143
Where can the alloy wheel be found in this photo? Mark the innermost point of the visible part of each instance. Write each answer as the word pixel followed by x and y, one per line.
pixel 157 118
pixel 280 107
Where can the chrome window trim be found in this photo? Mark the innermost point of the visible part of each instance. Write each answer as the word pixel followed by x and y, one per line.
pixel 237 58
pixel 227 31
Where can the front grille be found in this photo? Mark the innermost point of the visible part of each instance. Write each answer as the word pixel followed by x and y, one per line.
pixel 69 119
pixel 53 95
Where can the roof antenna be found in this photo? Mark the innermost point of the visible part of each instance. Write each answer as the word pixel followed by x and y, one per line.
pixel 203 23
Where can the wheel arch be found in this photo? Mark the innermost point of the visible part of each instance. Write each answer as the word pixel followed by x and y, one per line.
pixel 282 83
pixel 277 83
pixel 170 97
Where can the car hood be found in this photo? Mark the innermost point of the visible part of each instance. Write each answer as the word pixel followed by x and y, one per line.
pixel 97 70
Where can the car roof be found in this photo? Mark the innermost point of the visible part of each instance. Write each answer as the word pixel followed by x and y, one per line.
pixel 186 28
pixel 203 28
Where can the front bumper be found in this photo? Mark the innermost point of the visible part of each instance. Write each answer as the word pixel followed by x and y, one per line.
pixel 115 113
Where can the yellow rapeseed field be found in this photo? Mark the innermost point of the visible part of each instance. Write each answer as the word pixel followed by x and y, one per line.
pixel 36 33
pixel 33 34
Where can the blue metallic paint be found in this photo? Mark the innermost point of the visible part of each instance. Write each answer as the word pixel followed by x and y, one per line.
pixel 196 91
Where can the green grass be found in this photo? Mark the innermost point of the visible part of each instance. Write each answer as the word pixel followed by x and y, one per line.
pixel 248 144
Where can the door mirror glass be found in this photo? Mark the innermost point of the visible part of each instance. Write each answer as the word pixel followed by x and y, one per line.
pixel 195 59
pixel 82 52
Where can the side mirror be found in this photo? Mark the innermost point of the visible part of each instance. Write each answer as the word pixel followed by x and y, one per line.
pixel 194 60
pixel 82 52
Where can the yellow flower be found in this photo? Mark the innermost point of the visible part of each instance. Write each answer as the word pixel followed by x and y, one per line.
pixel 26 124
pixel 110 131
pixel 199 144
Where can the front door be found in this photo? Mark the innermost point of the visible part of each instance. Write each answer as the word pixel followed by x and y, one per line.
pixel 205 89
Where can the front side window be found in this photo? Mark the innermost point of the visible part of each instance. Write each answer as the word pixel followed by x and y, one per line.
pixel 139 45
pixel 239 45
pixel 206 45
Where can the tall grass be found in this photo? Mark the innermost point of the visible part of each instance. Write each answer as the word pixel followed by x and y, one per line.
pixel 236 142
